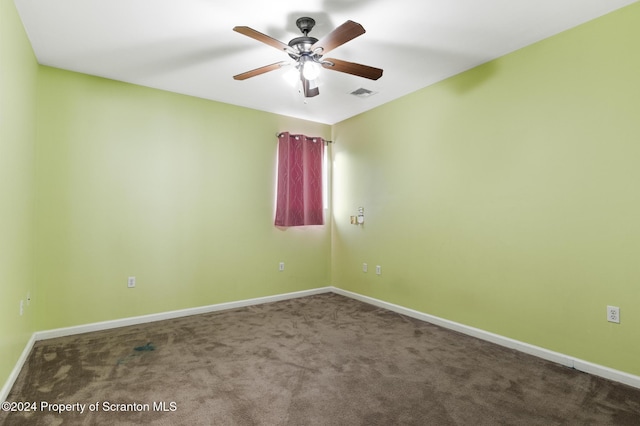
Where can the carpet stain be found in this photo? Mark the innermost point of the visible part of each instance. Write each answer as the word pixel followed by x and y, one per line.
pixel 141 349
pixel 148 347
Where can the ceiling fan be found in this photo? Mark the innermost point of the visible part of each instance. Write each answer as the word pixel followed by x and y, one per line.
pixel 308 53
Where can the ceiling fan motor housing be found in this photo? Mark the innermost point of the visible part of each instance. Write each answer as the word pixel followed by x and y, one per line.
pixel 302 45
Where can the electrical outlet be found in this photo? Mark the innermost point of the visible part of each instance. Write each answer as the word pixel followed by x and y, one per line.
pixel 365 267
pixel 613 314
pixel 378 270
pixel 21 307
pixel 131 282
pixel 281 267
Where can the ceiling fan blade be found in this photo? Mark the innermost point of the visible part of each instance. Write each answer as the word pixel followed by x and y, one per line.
pixel 352 68
pixel 250 32
pixel 260 70
pixel 344 33
pixel 309 88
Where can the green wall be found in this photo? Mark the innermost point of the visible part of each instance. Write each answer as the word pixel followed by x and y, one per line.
pixel 18 76
pixel 506 198
pixel 174 190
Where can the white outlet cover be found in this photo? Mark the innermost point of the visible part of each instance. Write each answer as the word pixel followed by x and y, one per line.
pixel 613 314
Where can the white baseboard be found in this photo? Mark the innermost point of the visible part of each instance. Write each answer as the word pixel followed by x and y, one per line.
pixel 4 393
pixel 106 325
pixel 566 360
pixel 546 354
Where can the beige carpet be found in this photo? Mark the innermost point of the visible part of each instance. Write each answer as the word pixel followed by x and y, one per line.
pixel 320 360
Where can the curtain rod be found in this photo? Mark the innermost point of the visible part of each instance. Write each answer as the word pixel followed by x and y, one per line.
pixel 280 134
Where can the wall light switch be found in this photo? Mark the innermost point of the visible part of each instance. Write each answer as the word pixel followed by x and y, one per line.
pixel 131 282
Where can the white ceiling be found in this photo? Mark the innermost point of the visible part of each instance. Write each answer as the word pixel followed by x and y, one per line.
pixel 188 46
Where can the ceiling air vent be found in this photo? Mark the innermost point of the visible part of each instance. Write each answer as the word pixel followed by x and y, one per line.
pixel 363 93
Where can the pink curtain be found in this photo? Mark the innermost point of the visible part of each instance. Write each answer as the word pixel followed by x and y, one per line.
pixel 299 198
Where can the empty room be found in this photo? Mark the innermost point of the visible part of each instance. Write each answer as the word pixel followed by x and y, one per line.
pixel 334 212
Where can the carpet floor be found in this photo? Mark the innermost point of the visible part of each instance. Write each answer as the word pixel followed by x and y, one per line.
pixel 318 360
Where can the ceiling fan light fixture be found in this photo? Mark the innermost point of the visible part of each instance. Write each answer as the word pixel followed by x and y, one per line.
pixel 310 69
pixel 292 76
